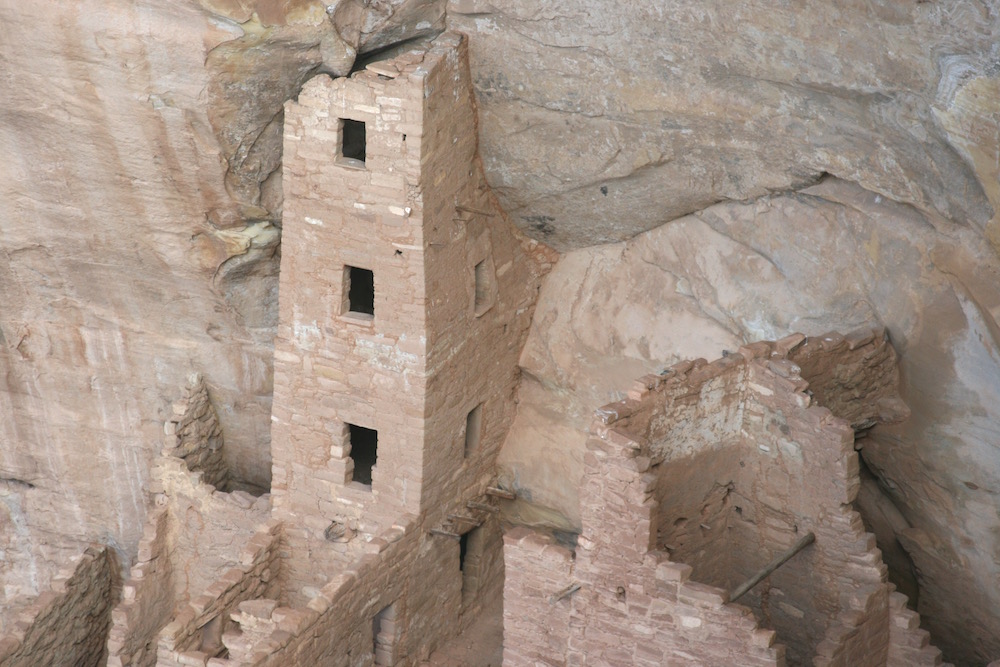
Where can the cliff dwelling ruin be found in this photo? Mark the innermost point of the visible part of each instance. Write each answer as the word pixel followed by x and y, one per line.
pixel 398 499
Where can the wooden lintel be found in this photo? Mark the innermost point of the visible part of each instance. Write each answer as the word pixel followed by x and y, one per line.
pixel 483 507
pixel 445 533
pixel 564 593
pixel 468 209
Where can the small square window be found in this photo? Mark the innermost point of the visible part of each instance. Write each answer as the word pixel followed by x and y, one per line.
pixel 359 288
pixel 364 452
pixel 353 142
pixel 473 429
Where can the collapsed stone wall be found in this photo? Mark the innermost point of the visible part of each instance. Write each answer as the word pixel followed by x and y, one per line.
pixel 67 624
pixel 195 531
pixel 148 598
pixel 195 633
pixel 194 434
pixel 791 469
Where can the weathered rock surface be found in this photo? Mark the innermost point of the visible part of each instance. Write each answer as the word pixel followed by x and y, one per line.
pixel 600 121
pixel 832 256
pixel 140 228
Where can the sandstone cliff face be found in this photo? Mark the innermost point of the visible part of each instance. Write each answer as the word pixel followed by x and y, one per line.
pixel 141 221
pixel 602 121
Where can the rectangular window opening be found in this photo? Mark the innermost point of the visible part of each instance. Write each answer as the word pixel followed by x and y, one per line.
pixel 354 142
pixel 470 549
pixel 359 284
pixel 384 636
pixel 473 429
pixel 482 287
pixel 364 452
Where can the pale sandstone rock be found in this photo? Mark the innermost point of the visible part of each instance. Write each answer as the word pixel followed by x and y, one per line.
pixel 600 121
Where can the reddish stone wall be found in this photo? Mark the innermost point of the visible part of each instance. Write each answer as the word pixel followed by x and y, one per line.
pixel 541 571
pixel 669 467
pixel 67 624
pixel 148 598
pixel 185 640
pixel 418 214
pixel 194 434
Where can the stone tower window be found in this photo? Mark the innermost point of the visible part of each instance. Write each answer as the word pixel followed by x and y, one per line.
pixel 354 142
pixel 359 290
pixel 473 429
pixel 364 452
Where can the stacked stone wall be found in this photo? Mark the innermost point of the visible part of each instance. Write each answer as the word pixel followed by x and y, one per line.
pixel 537 599
pixel 148 598
pixel 796 471
pixel 194 635
pixel 195 531
pixel 67 624
pixel 417 213
pixel 909 645
pixel 194 435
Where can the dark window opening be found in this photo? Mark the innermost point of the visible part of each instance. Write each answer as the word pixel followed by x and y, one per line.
pixel 360 290
pixel 470 551
pixel 364 452
pixel 463 550
pixel 482 286
pixel 473 429
pixel 384 637
pixel 353 144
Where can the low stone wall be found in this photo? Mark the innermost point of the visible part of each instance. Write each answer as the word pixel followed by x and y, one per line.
pixel 793 470
pixel 148 599
pixel 909 646
pixel 194 435
pixel 536 625
pixel 67 624
pixel 195 633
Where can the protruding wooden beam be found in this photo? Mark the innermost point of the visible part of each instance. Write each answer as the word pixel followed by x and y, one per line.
pixel 497 492
pixel 564 593
pixel 469 209
pixel 742 589
pixel 483 507
pixel 445 533
pixel 471 520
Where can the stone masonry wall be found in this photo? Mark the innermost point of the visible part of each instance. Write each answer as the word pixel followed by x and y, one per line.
pixel 194 434
pixel 67 624
pixel 418 214
pixel 536 624
pixel 195 531
pixel 195 632
pixel 148 598
pixel 797 472
pixel 433 369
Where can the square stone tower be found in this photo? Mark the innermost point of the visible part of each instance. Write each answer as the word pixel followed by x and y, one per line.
pixel 404 300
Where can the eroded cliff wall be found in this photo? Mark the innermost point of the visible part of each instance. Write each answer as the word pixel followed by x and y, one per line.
pixel 777 167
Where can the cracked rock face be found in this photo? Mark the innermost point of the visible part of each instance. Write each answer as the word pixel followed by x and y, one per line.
pixel 598 123
pixel 139 239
